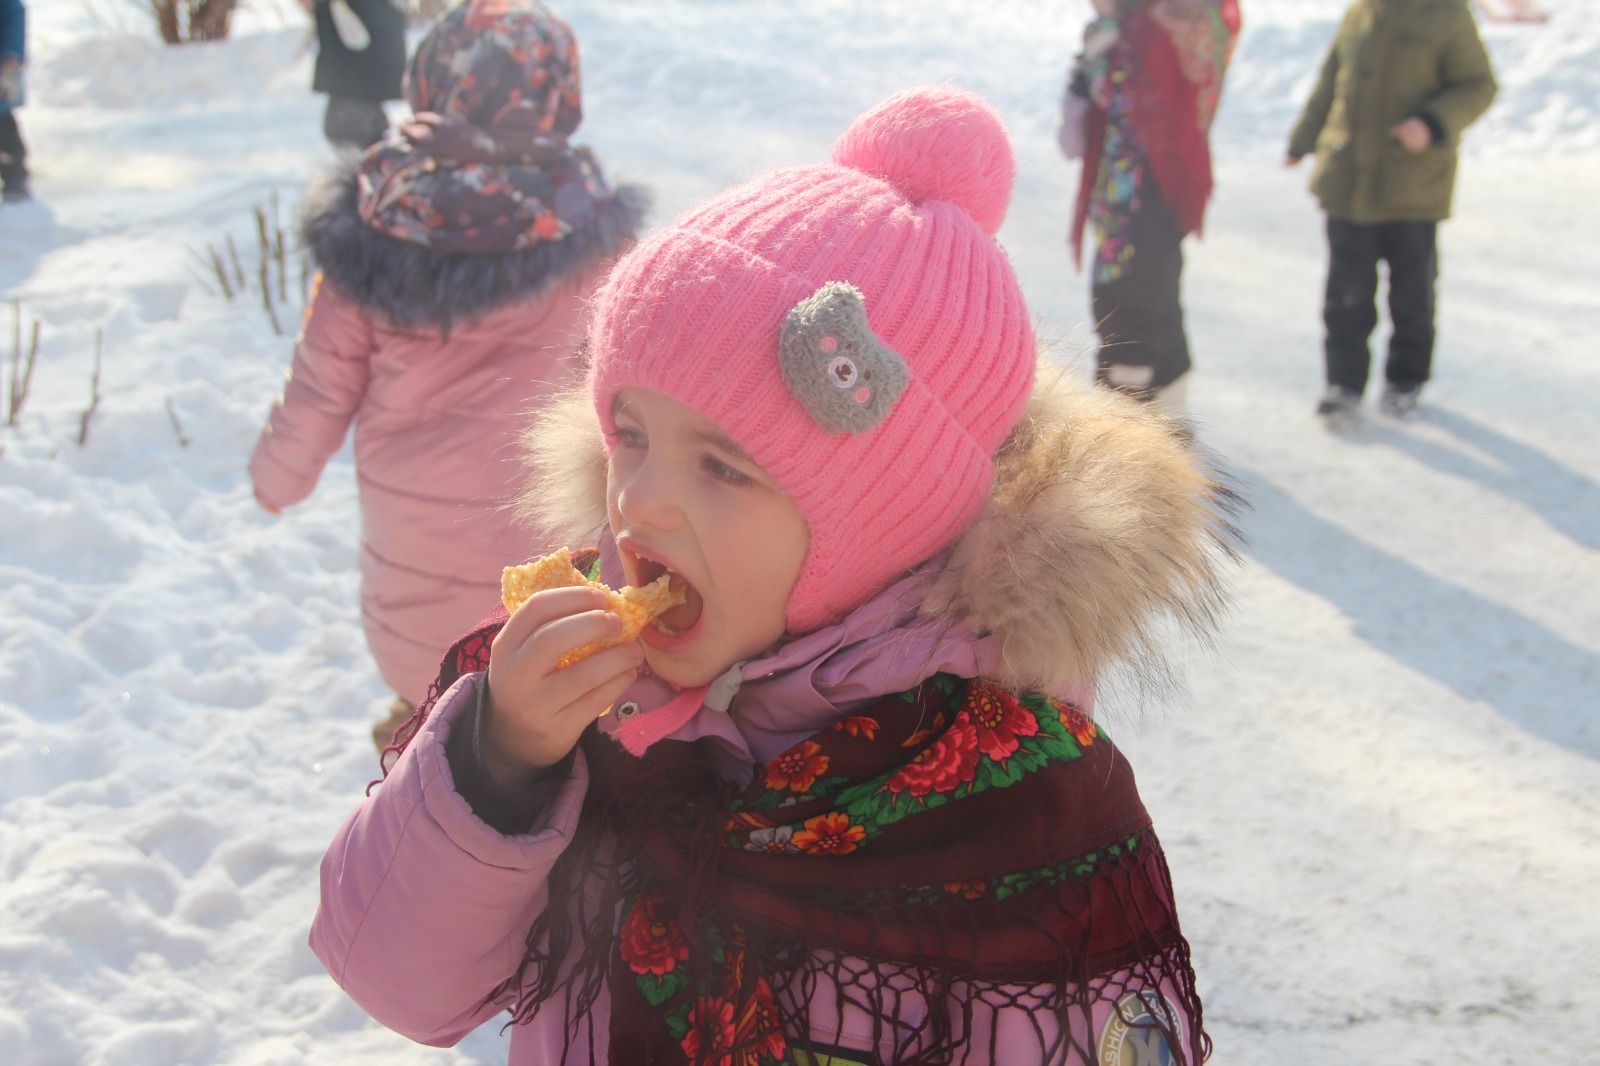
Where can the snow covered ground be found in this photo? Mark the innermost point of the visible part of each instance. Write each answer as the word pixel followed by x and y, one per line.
pixel 1381 794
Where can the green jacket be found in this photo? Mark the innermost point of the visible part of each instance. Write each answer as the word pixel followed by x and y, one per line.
pixel 1392 60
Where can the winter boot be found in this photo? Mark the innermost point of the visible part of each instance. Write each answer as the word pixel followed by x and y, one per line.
pixel 1339 402
pixel 1398 401
pixel 17 190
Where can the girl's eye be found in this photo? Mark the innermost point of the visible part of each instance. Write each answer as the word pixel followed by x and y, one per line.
pixel 626 437
pixel 723 472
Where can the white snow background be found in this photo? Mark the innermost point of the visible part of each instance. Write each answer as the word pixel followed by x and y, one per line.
pixel 1380 794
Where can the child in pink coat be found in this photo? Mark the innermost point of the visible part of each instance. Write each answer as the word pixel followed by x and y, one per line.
pixel 843 803
pixel 455 263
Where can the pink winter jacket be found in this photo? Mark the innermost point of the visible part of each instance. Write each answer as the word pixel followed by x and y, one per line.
pixel 425 909
pixel 436 427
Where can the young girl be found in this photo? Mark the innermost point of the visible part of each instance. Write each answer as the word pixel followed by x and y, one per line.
pixel 455 265
pixel 1152 70
pixel 836 807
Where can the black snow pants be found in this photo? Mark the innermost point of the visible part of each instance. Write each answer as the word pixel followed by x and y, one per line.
pixel 13 154
pixel 1349 310
pixel 1143 346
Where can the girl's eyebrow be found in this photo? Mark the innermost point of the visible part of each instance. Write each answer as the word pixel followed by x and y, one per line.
pixel 714 437
pixel 722 441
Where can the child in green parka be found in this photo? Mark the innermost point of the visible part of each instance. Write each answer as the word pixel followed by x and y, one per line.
pixel 1401 82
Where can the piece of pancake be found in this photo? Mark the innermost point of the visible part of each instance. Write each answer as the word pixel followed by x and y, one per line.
pixel 636 606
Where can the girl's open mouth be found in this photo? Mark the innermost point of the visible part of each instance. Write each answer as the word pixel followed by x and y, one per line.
pixel 675 622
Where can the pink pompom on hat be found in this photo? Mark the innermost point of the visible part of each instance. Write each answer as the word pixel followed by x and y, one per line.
pixel 853 325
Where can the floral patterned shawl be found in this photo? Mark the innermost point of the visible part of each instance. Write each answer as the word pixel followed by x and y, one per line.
pixel 976 844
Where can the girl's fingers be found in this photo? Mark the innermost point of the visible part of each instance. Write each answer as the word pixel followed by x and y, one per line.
pixel 545 607
pixel 555 640
pixel 541 721
pixel 572 683
pixel 592 702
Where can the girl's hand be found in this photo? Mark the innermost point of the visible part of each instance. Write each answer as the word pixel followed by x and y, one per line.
pixel 536 712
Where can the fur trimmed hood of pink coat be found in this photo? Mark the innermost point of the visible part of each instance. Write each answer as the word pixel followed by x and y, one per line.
pixel 436 359
pixel 413 286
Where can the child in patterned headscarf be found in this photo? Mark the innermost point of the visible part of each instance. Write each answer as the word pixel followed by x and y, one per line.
pixel 455 261
pixel 1151 72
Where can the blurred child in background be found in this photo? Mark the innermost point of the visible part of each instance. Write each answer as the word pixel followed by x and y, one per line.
pixel 13 58
pixel 1401 82
pixel 1140 102
pixel 455 262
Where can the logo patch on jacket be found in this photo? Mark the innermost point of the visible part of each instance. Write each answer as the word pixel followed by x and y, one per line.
pixel 1133 1034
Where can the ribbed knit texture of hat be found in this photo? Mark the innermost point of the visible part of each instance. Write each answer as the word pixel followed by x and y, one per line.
pixel 906 212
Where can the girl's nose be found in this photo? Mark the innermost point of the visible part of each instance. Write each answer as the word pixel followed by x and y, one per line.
pixel 648 499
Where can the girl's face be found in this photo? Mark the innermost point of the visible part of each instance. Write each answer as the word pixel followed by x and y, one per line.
pixel 684 498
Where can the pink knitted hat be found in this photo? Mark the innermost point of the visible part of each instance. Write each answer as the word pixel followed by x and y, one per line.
pixel 853 326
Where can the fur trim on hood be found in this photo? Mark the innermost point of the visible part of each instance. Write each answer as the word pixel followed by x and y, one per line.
pixel 416 287
pixel 1102 526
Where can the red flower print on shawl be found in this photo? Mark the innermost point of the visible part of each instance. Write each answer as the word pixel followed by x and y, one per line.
pixel 944 765
pixel 798 768
pixel 1082 730
pixel 709 1041
pixel 829 834
pixel 759 1031
pixel 651 944
pixel 858 725
pixel 999 720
